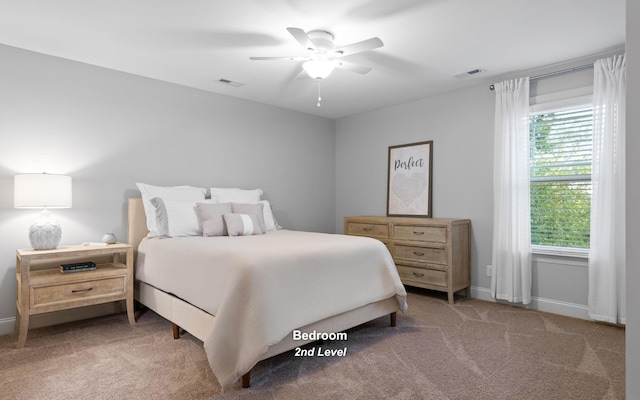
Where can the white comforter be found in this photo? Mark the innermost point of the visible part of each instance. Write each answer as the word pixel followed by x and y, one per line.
pixel 260 288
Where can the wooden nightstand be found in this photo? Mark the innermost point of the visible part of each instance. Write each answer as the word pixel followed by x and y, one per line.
pixel 47 289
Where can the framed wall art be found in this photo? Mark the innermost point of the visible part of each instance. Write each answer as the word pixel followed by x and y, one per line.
pixel 409 180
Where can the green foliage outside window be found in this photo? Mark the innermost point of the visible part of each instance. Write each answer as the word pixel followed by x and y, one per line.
pixel 561 147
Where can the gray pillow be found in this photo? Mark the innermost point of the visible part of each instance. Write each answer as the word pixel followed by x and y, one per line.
pixel 243 224
pixel 256 209
pixel 211 218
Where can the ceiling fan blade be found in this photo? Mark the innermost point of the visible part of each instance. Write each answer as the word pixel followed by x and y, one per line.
pixel 358 47
pixel 302 38
pixel 359 69
pixel 279 58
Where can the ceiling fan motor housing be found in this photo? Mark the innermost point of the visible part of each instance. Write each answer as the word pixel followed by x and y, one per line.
pixel 323 41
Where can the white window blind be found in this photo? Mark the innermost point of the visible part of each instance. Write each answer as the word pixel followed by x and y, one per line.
pixel 561 149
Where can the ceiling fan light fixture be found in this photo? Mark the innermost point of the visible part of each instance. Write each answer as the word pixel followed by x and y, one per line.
pixel 319 67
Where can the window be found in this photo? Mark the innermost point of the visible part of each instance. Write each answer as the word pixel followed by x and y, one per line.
pixel 561 149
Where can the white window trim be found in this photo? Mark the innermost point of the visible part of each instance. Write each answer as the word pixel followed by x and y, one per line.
pixel 559 251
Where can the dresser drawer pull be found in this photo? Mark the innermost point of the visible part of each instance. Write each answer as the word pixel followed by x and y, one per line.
pixel 367 229
pixel 415 253
pixel 81 290
pixel 418 233
pixel 417 275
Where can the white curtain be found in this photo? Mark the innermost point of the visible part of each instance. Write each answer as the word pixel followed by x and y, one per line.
pixel 607 255
pixel 511 279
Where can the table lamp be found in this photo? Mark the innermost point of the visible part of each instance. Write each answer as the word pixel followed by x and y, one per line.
pixel 43 191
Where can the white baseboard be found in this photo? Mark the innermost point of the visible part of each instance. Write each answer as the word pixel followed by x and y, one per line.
pixel 547 305
pixel 6 325
pixel 58 317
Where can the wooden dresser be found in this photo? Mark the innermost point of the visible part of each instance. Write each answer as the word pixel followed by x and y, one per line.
pixel 430 253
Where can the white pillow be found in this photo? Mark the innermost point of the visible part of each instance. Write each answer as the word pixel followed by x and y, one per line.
pixel 235 195
pixel 178 217
pixel 148 192
pixel 269 220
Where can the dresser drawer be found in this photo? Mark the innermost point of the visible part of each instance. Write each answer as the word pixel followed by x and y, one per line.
pixel 69 292
pixel 368 229
pixel 421 233
pixel 422 275
pixel 434 255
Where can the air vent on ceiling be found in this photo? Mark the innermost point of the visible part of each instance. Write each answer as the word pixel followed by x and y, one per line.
pixel 230 83
pixel 470 73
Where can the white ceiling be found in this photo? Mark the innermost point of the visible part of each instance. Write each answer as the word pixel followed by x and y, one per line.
pixel 426 42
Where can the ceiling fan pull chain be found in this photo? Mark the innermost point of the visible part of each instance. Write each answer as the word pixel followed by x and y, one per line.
pixel 319 93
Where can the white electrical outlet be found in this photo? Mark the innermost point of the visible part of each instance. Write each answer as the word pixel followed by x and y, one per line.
pixel 489 270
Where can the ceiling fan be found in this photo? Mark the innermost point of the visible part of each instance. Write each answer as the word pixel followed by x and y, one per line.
pixel 323 55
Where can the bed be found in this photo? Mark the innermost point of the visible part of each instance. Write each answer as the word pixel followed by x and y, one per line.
pixel 253 321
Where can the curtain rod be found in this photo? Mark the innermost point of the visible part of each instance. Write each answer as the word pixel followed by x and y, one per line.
pixel 562 71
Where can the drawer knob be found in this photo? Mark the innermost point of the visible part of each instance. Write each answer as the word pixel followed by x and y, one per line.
pixel 417 275
pixel 418 233
pixel 81 290
pixel 367 229
pixel 415 253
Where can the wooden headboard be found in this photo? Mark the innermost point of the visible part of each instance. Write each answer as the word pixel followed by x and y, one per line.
pixel 136 222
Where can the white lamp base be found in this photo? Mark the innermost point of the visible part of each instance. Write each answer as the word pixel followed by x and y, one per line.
pixel 45 233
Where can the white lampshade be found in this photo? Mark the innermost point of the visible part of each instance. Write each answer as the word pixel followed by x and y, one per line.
pixel 319 68
pixel 43 191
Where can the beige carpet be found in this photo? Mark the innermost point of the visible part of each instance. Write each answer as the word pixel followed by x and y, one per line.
pixel 471 350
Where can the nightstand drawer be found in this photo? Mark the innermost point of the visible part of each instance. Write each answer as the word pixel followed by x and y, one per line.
pixel 436 255
pixel 422 275
pixel 421 233
pixel 69 292
pixel 365 229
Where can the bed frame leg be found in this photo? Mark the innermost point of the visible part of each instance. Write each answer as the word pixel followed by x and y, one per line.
pixel 246 380
pixel 176 331
pixel 393 319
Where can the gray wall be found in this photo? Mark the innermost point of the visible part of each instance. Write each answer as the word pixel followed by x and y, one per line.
pixel 461 125
pixel 633 200
pixel 109 130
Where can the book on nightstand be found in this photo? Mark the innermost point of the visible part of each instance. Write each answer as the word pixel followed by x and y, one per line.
pixel 78 267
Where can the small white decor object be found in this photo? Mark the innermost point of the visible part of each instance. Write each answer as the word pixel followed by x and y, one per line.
pixel 43 191
pixel 109 238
